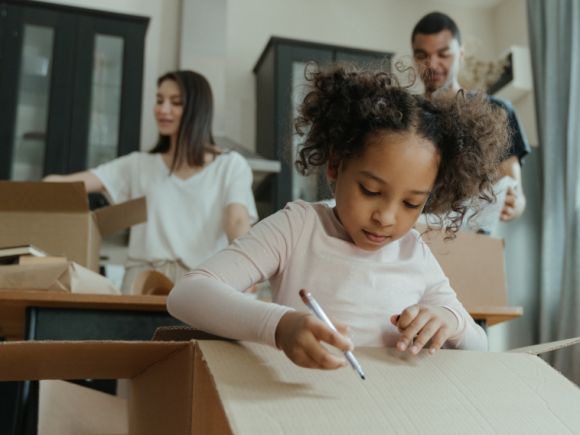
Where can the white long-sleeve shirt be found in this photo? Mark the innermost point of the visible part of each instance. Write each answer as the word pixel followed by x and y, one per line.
pixel 306 246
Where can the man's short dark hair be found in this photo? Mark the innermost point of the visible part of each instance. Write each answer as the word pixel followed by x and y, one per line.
pixel 436 22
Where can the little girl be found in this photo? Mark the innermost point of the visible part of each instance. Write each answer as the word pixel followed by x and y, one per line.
pixel 389 155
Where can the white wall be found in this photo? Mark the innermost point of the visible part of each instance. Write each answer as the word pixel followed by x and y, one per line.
pixel 203 49
pixel 383 25
pixel 511 28
pixel 521 236
pixel 161 47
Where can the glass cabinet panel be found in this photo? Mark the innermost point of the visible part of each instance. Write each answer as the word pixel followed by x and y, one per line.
pixel 105 99
pixel 32 103
pixel 303 187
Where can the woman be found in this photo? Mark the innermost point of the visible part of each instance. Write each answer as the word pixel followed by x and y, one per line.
pixel 198 198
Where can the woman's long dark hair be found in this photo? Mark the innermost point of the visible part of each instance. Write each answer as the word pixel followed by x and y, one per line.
pixel 194 137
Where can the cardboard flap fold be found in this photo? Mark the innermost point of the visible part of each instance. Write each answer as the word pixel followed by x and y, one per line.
pixel 161 395
pixel 35 360
pixel 120 216
pixel 93 412
pixel 28 196
pixel 538 349
pixel 474 264
pixel 208 413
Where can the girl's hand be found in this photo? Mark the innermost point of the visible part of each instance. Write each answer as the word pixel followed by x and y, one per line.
pixel 420 324
pixel 299 335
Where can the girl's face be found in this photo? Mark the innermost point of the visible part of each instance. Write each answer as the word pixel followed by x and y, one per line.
pixel 380 194
pixel 168 108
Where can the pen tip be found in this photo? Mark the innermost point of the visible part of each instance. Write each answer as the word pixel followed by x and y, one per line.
pixel 362 377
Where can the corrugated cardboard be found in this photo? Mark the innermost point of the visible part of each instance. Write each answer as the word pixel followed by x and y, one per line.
pixel 56 218
pixel 99 412
pixel 221 387
pixel 474 264
pixel 54 274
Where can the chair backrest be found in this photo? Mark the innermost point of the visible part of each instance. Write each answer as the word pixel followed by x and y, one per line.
pixel 474 264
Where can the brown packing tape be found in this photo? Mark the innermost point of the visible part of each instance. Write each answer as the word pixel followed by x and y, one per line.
pixel 538 349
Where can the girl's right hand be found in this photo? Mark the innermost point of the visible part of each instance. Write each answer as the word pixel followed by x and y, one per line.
pixel 299 335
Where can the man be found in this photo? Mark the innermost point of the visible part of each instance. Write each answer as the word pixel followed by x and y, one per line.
pixel 437 52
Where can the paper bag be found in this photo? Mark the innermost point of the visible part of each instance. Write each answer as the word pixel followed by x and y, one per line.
pixel 56 274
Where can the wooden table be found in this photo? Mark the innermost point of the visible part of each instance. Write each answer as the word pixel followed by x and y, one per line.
pixel 493 315
pixel 13 305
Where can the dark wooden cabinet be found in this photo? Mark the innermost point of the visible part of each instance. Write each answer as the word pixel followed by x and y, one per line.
pixel 280 82
pixel 70 85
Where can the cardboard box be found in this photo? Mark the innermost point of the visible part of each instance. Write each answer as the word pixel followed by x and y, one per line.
pixel 56 218
pixel 474 264
pixel 220 387
pixel 54 274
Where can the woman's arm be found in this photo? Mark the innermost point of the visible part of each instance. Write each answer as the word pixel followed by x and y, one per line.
pixel 92 182
pixel 236 221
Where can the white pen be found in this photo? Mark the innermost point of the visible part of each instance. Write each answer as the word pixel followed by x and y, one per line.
pixel 311 303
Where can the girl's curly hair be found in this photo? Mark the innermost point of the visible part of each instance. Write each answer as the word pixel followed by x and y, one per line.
pixel 346 107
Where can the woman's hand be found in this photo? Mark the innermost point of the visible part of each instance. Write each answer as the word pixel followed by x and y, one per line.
pixel 419 324
pixel 299 335
pixel 92 182
pixel 55 178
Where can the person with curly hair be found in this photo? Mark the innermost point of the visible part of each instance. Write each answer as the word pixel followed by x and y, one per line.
pixel 388 155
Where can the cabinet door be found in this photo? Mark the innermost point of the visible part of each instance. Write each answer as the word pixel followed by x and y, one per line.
pixel 36 72
pixel 291 88
pixel 109 67
pixel 364 58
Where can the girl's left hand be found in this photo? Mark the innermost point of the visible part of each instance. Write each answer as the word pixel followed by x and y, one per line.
pixel 420 324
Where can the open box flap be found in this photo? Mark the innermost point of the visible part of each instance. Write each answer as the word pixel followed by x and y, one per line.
pixel 486 392
pixel 117 217
pixel 477 283
pixel 34 360
pixel 538 349
pixel 181 387
pixel 29 196
pixel 94 412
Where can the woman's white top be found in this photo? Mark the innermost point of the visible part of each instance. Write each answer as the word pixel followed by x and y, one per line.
pixel 185 217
